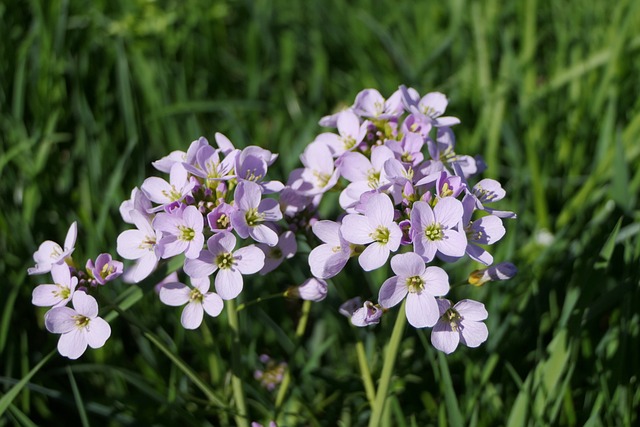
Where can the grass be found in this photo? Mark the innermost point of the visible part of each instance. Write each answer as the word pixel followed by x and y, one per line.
pixel 92 92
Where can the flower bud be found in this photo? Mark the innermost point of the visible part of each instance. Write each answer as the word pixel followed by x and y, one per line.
pixel 368 314
pixel 311 290
pixel 501 271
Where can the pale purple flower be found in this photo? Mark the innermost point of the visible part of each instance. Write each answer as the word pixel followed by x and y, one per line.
pixel 164 193
pixel 351 133
pixel 275 255
pixel 409 149
pixel 461 323
pixel 231 265
pixel 311 290
pixel 50 253
pixel 219 219
pixel 368 314
pixel 105 269
pixel 177 157
pixel 58 293
pixel 252 212
pixel 435 230
pixel 181 232
pixel 364 174
pixel 141 245
pixel 270 377
pixel 432 105
pixel 329 258
pixel 209 166
pixel 319 173
pixel 498 272
pixel 292 202
pixel 79 326
pixel 251 165
pixel 448 185
pixel 375 228
pixel 198 300
pixel 369 103
pixel 171 278
pixel 419 284
pixel 224 144
pixel 489 191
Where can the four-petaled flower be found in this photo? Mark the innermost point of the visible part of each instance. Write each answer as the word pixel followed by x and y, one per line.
pixel 60 292
pixel 50 253
pixel 198 299
pixel 79 326
pixel 461 323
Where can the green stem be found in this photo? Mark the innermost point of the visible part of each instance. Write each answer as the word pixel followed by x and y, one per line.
pixel 236 382
pixel 302 326
pixel 387 367
pixel 259 299
pixel 212 358
pixel 365 373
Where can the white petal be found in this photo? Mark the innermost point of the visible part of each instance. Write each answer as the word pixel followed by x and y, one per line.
pixel 174 294
pixel 391 292
pixel 192 315
pixel 473 333
pixel 212 304
pixel 422 310
pixel 98 332
pixel 228 284
pixel 249 260
pixel 85 305
pixel 72 344
pixel 444 338
pixel 356 229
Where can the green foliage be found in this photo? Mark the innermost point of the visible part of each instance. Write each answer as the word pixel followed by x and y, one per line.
pixel 92 91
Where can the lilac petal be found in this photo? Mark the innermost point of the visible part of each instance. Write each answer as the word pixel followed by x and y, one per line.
pixel 409 264
pixel 491 229
pixel 192 315
pixel 272 187
pixel 46 296
pixel 193 218
pixel 374 256
pixel 355 167
pixel 203 266
pixel 489 190
pixel 453 243
pixel 224 143
pixel 327 231
pixel 379 155
pixel 73 344
pixel 447 121
pixel 448 212
pixel 263 234
pixel 421 216
pixel 471 310
pixel 348 124
pixel 98 332
pixel 72 234
pixel 249 260
pixel 165 163
pixel 325 262
pixel 356 229
pixel 202 284
pixel 473 333
pixel 224 242
pixel 247 195
pixel 156 189
pixel 478 254
pixel 422 310
pixel 173 246
pixel 436 281
pixel 145 266
pixel 424 247
pixel 379 210
pixel 392 292
pixel 212 304
pixel 60 320
pixel 317 156
pixel 194 247
pixel 174 294
pixel 270 209
pixel 85 305
pixel 228 284
pixel 129 244
pixel 288 244
pixel 444 338
pixel 435 103
pixel 239 224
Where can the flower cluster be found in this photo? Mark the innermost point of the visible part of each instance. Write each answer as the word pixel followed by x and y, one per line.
pixel 406 197
pixel 79 326
pixel 406 192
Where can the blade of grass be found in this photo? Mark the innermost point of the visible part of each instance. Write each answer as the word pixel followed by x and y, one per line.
pixel 6 400
pixel 77 397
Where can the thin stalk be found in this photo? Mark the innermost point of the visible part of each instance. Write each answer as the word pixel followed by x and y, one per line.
pixel 212 357
pixel 302 326
pixel 236 382
pixel 365 373
pixel 387 367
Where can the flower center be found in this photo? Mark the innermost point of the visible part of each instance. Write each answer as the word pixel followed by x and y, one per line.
pixel 406 157
pixel 415 284
pixel 223 221
pixel 106 270
pixel 373 178
pixel 348 142
pixel 62 292
pixel 55 252
pixel 434 232
pixel 484 195
pixel 253 217
pixel 252 175
pixel 275 253
pixel 186 233
pixel 81 321
pixel 224 260
pixel 453 317
pixel 173 195
pixel 322 179
pixel 148 243
pixel 381 235
pixel 446 190
pixel 195 295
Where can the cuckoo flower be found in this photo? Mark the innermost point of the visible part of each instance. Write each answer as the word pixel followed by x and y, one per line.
pixel 138 202
pixel 329 258
pixel 142 245
pixel 501 271
pixel 50 253
pixel 311 290
pixel 58 293
pixel 368 314
pixel 432 105
pixel 198 300
pixel 164 193
pixel 364 174
pixel 419 284
pixel 104 270
pixel 209 166
pixel 252 212
pixel 231 265
pixel 351 134
pixel 219 219
pixel 460 323
pixel 181 232
pixel 434 230
pixel 489 191
pixel 369 103
pixel 79 326
pixel 376 228
pixel 319 174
